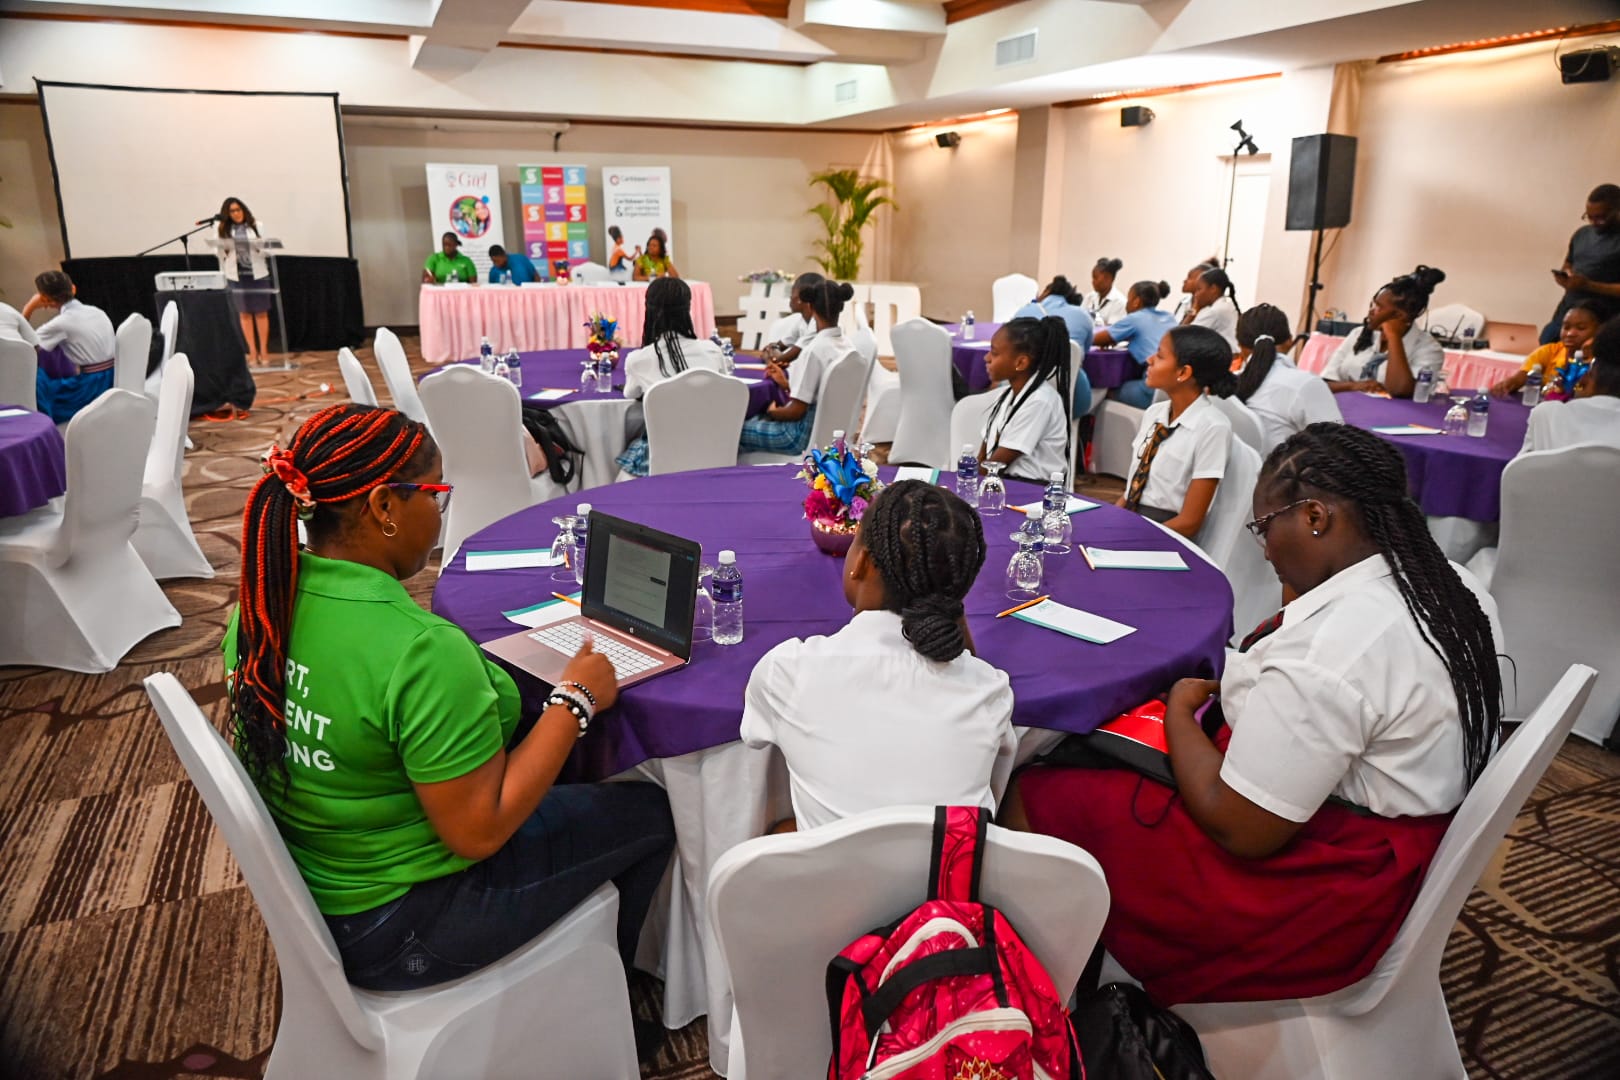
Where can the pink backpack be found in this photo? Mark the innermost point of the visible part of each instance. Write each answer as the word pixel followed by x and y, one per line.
pixel 949 992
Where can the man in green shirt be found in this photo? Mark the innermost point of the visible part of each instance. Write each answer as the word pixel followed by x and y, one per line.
pixel 448 263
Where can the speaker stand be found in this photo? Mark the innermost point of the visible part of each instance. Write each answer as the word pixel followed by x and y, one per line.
pixel 1309 325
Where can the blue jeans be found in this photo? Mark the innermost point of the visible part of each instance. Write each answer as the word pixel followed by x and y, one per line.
pixel 579 837
pixel 1134 393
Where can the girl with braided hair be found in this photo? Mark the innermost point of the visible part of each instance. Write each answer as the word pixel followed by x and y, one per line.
pixel 928 722
pixel 669 346
pixel 1283 398
pixel 785 428
pixel 1359 717
pixel 1028 427
pixel 382 741
pixel 1391 349
pixel 1215 305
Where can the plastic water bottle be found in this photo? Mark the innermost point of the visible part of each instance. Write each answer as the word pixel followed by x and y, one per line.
pixel 1479 414
pixel 1055 521
pixel 486 355
pixel 838 443
pixel 967 476
pixel 1424 389
pixel 728 600
pixel 502 371
pixel 730 353
pixel 582 535
pixel 1034 527
pixel 1532 388
pixel 514 369
pixel 967 327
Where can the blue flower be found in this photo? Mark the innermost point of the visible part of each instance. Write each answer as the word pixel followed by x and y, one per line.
pixel 844 475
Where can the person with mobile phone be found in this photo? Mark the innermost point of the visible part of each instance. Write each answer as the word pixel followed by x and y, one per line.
pixel 1591 270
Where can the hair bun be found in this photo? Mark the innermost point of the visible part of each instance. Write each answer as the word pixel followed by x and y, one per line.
pixel 1164 289
pixel 1112 266
pixel 1429 276
pixel 933 626
pixel 844 291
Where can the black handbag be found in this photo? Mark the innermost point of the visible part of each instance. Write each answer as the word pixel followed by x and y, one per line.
pixel 562 456
pixel 1124 1036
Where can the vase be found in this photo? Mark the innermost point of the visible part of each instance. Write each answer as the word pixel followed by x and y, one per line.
pixel 832 539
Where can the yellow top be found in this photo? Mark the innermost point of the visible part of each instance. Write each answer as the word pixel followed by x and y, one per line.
pixel 1549 358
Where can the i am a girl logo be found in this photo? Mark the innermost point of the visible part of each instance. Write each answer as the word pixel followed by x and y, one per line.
pixel 469 215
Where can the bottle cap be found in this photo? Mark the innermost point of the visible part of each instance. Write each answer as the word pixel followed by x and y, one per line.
pixel 1057 474
pixel 1033 513
pixel 839 434
pixel 582 509
pixel 967 448
pixel 728 558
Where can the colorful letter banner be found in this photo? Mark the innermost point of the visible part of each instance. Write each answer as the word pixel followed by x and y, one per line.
pixel 556 222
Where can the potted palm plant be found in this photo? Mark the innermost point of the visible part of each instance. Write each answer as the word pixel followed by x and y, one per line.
pixel 852 200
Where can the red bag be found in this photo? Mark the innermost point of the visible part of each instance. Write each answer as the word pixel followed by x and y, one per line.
pixel 949 992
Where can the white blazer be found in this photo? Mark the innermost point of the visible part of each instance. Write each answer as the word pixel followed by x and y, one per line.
pixel 227 255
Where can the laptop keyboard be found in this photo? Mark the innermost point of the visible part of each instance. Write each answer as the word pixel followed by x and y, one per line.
pixel 568 638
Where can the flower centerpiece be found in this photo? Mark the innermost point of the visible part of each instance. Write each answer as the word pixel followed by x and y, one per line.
pixel 842 485
pixel 602 342
pixel 767 276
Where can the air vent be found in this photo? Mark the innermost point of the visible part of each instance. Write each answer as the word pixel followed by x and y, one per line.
pixel 844 92
pixel 1015 50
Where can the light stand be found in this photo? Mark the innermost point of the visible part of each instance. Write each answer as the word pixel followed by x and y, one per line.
pixel 1308 327
pixel 1245 142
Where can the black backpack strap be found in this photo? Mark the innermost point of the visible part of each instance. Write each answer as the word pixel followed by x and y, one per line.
pixel 958 856
pixel 840 973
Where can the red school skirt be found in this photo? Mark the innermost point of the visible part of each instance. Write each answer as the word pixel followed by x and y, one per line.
pixel 1195 923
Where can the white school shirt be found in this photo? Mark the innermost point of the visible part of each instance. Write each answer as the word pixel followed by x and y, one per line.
pixel 864 721
pixel 1105 309
pixel 791 330
pixel 15 327
pixel 641 370
pixel 1347 699
pixel 1221 317
pixel 1197 451
pixel 810 366
pixel 1346 363
pixel 1557 424
pixel 84 332
pixel 1038 431
pixel 1288 400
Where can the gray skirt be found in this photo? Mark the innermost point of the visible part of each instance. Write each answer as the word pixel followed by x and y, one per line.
pixel 251 295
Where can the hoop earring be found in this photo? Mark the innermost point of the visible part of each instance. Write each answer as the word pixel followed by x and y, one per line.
pixel 389 528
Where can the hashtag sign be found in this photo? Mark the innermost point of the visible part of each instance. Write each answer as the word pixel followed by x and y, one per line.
pixel 761 308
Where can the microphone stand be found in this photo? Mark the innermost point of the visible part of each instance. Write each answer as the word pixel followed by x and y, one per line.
pixel 1245 141
pixel 185 241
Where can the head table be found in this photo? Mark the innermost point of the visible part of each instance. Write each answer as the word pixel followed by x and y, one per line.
pixel 681 728
pixel 1106 368
pixel 33 461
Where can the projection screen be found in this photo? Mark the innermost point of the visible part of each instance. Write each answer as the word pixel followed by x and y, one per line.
pixel 136 166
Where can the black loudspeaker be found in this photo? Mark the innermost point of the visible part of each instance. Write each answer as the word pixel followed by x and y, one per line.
pixel 1321 180
pixel 1135 116
pixel 1588 65
pixel 948 140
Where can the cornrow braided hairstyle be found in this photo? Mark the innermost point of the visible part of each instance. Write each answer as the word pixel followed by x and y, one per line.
pixel 1261 330
pixel 928 546
pixel 1410 292
pixel 1364 470
pixel 668 319
pixel 1046 343
pixel 343 451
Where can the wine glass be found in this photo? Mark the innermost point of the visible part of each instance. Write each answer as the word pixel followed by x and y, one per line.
pixel 1024 571
pixel 562 548
pixel 992 489
pixel 703 609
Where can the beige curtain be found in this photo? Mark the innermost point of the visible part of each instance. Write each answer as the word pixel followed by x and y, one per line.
pixel 878 257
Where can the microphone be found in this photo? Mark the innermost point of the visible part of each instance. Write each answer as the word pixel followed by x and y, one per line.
pixel 209 220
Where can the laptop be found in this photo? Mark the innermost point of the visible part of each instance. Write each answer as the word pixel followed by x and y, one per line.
pixel 637 604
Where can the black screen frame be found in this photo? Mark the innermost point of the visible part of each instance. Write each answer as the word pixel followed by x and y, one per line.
pixel 686 555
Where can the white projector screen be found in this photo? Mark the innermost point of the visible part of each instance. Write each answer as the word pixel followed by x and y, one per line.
pixel 136 166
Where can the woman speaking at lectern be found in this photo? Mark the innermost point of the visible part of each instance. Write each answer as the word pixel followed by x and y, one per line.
pixel 247 275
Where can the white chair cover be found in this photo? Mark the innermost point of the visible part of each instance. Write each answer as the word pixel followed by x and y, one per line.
pixel 967 420
pixel 694 421
pixel 836 882
pixel 1256 592
pixel 169 327
pixel 134 345
pixel 1010 293
pixel 1394 1022
pixel 1111 438
pixel 164 538
pixel 396 372
pixel 1455 321
pixel 1245 424
pixel 1555 573
pixel 560 1000
pixel 74 594
pixel 922 351
pixel 590 273
pixel 19 364
pixel 838 407
pixel 355 379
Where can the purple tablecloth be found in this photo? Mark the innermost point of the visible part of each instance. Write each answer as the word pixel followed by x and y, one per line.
pixel 560 369
pixel 33 462
pixel 1183 619
pixel 1449 475
pixel 1106 368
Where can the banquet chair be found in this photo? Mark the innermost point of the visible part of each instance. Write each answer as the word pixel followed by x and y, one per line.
pixel 1556 611
pixel 838 406
pixel 164 539
pixel 1256 592
pixel 133 346
pixel 169 328
pixel 1455 321
pixel 396 372
pixel 1245 425
pixel 1010 293
pixel 1394 1022
pixel 967 420
pixel 922 351
pixel 1111 438
pixel 355 379
pixel 560 1000
pixel 71 566
pixel 833 883
pixel 694 421
pixel 590 273
pixel 19 364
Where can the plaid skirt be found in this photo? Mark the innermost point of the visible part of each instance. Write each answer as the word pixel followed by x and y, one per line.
pixel 777 436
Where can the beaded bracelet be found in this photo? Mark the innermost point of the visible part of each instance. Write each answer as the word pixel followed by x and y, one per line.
pixel 574 704
pixel 582 688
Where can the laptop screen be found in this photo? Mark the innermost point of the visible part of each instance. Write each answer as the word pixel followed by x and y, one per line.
pixel 641 581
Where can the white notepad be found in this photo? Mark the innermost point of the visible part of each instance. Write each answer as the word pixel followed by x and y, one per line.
pixel 742 365
pixel 917 472
pixel 549 395
pixel 1106 559
pixel 1075 505
pixel 543 614
pixel 1407 429
pixel 509 560
pixel 13 412
pixel 1074 622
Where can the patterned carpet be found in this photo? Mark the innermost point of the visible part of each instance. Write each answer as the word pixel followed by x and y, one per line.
pixel 130 948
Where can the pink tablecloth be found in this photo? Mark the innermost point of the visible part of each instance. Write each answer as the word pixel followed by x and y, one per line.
pixel 536 319
pixel 1469 368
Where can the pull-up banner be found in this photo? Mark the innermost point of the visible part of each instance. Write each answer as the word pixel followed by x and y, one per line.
pixel 556 223
pixel 636 198
pixel 466 200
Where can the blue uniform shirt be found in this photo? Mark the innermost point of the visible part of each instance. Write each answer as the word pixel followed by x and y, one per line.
pixel 1140 332
pixel 517 270
pixel 1076 318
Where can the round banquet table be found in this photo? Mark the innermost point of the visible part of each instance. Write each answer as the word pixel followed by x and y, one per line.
pixel 1106 368
pixel 33 461
pixel 681 728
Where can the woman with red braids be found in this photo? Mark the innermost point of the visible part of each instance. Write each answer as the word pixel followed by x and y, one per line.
pixel 382 740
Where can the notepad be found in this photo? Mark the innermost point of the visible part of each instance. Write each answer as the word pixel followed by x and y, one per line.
pixel 1406 429
pixel 543 614
pixel 917 472
pixel 13 412
pixel 1075 505
pixel 549 395
pixel 1074 622
pixel 741 366
pixel 510 560
pixel 1107 559
pixel 1380 394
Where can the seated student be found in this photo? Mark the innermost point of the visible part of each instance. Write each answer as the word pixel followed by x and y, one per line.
pixel 76 349
pixel 1283 398
pixel 1027 429
pixel 1359 718
pixel 1579 327
pixel 1104 302
pixel 1594 414
pixel 931 723
pixel 1214 304
pixel 1190 283
pixel 654 262
pixel 1390 350
pixel 511 267
pixel 793 331
pixel 672 347
pixel 618 262
pixel 1139 331
pixel 1063 300
pixel 785 429
pixel 448 263
pixel 432 838
pixel 1179 454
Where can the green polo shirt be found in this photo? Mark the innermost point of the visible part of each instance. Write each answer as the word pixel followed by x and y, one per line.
pixel 443 267
pixel 380 695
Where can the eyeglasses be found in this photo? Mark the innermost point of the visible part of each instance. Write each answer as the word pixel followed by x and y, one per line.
pixel 440 492
pixel 1262 525
pixel 1603 218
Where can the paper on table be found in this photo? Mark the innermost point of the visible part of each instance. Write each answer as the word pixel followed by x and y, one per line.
pixel 1074 622
pixel 744 365
pixel 1106 559
pixel 13 412
pixel 543 614
pixel 917 472
pixel 1382 394
pixel 549 395
pixel 509 560
pixel 1075 505
pixel 1407 429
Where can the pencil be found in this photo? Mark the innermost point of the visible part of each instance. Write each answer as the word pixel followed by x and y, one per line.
pixel 1025 604
pixel 570 599
pixel 1087 555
